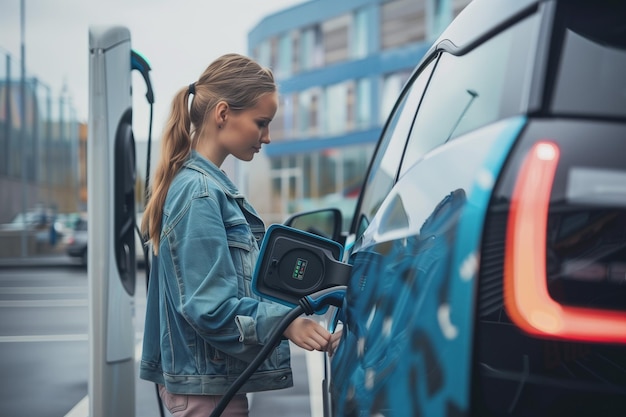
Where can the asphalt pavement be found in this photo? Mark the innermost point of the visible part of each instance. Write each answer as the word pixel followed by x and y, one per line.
pixel 302 400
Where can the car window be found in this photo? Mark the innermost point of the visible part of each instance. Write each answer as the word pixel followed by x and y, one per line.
pixel 590 75
pixel 384 167
pixel 472 90
pixel 80 225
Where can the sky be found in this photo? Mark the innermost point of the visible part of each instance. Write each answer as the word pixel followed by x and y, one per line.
pixel 179 38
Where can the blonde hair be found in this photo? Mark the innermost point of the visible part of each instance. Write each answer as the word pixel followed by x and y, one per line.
pixel 233 78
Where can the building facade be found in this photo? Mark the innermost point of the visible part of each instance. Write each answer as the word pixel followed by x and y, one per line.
pixel 41 143
pixel 340 67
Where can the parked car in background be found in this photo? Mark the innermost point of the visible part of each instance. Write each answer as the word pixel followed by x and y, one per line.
pixel 77 238
pixel 488 245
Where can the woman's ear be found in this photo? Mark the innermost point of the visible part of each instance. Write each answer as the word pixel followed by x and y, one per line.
pixel 221 111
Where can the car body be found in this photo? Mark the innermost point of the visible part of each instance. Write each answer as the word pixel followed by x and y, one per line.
pixel 488 245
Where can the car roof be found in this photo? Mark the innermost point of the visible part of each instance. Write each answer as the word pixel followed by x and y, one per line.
pixel 478 19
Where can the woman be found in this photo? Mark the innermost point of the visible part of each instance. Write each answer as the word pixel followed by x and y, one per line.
pixel 203 322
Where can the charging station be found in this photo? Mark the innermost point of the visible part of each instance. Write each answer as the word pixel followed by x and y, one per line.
pixel 111 217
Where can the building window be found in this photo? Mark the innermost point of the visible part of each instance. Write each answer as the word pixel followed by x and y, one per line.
pixel 307 112
pixel 311 51
pixel 350 106
pixel 295 52
pixel 284 58
pixel 359 40
pixel 273 54
pixel 402 22
pixel 335 35
pixel 282 126
pixel 335 108
pixel 264 53
pixel 330 177
pixel 277 126
pixel 363 103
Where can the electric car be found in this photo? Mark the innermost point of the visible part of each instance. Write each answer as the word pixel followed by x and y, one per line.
pixel 488 245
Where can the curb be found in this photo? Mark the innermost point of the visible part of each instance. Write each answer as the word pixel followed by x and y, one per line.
pixel 38 262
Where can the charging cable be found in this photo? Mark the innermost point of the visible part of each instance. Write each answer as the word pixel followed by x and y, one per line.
pixel 139 63
pixel 307 305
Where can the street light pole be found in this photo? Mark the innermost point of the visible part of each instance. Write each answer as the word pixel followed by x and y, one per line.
pixel 23 123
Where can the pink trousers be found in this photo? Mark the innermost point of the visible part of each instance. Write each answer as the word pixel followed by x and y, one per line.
pixel 180 405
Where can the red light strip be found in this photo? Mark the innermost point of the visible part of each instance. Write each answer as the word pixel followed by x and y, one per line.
pixel 526 297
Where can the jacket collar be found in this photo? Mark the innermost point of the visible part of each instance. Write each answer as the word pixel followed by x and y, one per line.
pixel 199 163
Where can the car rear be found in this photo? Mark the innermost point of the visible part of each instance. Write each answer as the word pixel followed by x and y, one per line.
pixel 551 305
pixel 76 242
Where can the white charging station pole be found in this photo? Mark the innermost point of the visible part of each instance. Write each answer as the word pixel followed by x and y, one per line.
pixel 111 219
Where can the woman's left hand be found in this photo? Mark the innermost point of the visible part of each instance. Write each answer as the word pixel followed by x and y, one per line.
pixel 308 334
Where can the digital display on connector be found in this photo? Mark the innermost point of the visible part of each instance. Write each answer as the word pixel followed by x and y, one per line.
pixel 299 269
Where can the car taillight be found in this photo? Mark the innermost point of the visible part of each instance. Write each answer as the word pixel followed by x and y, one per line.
pixel 526 296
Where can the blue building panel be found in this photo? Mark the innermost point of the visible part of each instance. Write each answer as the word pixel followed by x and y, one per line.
pixel 386 62
pixel 294 147
pixel 302 15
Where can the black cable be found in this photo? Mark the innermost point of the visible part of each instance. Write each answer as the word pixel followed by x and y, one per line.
pixel 146 250
pixel 146 190
pixel 147 196
pixel 274 340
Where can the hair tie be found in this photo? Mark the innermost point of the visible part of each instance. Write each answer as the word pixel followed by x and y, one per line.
pixel 192 88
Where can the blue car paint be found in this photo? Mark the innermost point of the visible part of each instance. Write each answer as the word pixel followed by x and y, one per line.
pixel 407 340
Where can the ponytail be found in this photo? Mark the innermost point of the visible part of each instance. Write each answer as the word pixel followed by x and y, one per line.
pixel 175 149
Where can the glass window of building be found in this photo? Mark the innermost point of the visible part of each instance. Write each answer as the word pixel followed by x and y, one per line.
pixel 335 34
pixel 355 160
pixel 402 22
pixel 310 48
pixel 263 53
pixel 307 119
pixel 277 126
pixel 350 106
pixel 295 52
pixel 273 64
pixel 328 166
pixel 359 44
pixel 363 103
pixel 336 108
pixel 284 58
pixel 303 122
pixel 287 183
pixel 289 114
pixel 329 177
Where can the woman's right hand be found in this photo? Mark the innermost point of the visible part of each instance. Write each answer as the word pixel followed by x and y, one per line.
pixel 308 334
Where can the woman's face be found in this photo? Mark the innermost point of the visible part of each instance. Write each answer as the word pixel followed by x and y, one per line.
pixel 243 132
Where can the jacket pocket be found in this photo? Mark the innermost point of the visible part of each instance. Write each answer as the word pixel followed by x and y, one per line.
pixel 243 252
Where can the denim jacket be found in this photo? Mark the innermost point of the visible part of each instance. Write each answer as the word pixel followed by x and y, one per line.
pixel 203 323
